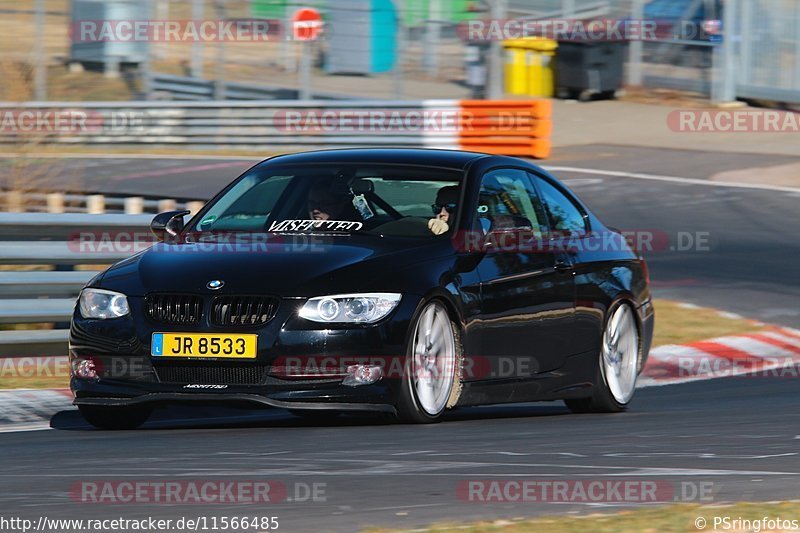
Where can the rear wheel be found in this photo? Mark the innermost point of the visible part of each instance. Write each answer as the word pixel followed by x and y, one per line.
pixel 431 380
pixel 115 417
pixel 617 366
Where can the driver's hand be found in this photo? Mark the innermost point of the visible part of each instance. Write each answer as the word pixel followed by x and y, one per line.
pixel 437 226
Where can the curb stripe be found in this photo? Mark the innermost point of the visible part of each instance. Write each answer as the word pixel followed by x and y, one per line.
pixel 722 351
pixel 782 337
pixel 734 355
pixel 774 342
pixel 790 332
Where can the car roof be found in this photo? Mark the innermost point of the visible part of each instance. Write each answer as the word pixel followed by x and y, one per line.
pixel 455 159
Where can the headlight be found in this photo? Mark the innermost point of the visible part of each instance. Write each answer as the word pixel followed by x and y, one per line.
pixel 97 303
pixel 350 308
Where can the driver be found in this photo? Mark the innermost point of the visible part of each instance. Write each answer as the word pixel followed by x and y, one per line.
pixel 326 201
pixel 444 209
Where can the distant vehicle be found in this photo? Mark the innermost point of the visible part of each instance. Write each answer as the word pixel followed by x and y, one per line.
pixel 401 281
pixel 690 20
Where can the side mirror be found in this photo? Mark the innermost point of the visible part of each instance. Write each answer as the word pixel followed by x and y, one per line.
pixel 168 224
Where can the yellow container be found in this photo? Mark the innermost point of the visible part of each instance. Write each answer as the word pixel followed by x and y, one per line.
pixel 529 66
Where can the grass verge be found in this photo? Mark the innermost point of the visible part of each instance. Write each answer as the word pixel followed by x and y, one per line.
pixel 671 518
pixel 679 323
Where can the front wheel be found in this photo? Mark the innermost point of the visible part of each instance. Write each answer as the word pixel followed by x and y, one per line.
pixel 431 380
pixel 115 417
pixel 617 366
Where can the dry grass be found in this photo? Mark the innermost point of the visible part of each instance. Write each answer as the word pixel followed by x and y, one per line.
pixel 22 173
pixel 15 377
pixel 678 324
pixel 667 519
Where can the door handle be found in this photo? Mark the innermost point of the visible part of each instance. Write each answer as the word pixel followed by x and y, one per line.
pixel 562 267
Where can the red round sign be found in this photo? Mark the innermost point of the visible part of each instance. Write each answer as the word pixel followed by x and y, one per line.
pixel 306 24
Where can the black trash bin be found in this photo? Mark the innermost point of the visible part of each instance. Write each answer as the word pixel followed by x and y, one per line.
pixel 587 68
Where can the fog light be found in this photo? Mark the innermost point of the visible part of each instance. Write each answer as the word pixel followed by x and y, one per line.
pixel 84 369
pixel 362 375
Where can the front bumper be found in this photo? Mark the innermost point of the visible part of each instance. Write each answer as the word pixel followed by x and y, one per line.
pixel 177 397
pixel 128 375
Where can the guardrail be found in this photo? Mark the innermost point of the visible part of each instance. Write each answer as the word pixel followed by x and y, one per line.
pixel 508 127
pixel 184 88
pixel 16 201
pixel 44 299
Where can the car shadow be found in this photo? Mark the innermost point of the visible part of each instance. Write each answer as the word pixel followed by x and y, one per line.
pixel 220 417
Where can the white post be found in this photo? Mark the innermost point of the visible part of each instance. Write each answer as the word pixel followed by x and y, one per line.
pixel 134 205
pixel 95 204
pixel 55 202
pixel 167 205
pixel 15 202
pixel 194 207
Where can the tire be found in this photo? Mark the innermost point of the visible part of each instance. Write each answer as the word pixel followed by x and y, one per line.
pixel 617 365
pixel 433 369
pixel 115 418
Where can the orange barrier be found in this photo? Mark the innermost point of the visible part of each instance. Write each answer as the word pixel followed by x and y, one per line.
pixel 507 127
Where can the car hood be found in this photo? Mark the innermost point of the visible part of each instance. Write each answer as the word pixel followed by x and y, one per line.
pixel 324 266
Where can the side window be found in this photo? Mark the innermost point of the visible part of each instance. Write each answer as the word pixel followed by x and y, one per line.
pixel 565 215
pixel 508 200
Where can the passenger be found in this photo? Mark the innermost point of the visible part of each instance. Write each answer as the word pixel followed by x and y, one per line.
pixel 327 201
pixel 444 210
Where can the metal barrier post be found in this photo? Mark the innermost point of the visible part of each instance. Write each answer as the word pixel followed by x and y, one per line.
pixel 568 8
pixel 146 67
pixel 219 74
pixel 636 48
pixel 496 58
pixel 197 45
pixel 723 85
pixel 430 59
pixel 40 72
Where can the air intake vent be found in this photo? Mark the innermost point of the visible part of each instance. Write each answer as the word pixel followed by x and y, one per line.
pixel 243 310
pixel 176 309
pixel 217 373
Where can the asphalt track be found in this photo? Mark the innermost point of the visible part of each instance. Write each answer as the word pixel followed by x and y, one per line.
pixel 741 435
pixel 736 437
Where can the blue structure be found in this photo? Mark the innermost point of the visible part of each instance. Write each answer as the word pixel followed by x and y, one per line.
pixel 361 36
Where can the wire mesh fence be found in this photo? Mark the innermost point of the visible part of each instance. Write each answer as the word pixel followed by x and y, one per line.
pixel 406 48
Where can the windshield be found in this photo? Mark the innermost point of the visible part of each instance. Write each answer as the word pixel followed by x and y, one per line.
pixel 391 200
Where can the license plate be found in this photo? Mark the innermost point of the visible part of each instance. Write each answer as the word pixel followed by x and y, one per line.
pixel 228 346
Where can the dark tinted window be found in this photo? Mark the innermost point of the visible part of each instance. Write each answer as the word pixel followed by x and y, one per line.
pixel 565 215
pixel 508 200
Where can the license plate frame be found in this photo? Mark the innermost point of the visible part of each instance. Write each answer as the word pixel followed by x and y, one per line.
pixel 235 346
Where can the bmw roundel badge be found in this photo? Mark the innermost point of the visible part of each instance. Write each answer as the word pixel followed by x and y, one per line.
pixel 215 284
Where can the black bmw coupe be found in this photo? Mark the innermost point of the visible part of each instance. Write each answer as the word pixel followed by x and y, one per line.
pixel 402 281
